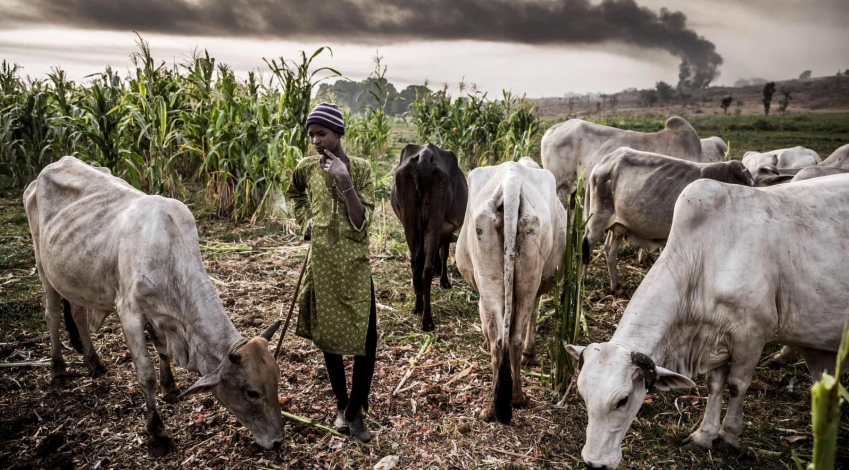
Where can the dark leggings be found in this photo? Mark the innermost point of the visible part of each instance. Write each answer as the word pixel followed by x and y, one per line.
pixel 363 371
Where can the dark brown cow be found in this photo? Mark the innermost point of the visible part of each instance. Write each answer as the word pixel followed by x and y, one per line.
pixel 429 196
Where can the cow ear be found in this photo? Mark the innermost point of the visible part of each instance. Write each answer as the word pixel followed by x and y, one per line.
pixel 574 351
pixel 203 385
pixel 668 380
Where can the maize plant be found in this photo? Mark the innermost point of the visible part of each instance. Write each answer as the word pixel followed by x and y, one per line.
pixel 827 395
pixel 480 131
pixel 568 298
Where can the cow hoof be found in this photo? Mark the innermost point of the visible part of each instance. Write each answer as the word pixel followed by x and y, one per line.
pixel 445 285
pixel 487 414
pixel 519 401
pixel 159 446
pixel 530 359
pixel 61 380
pixel 172 397
pixel 428 326
pixel 697 441
pixel 97 370
pixel 724 442
pixel 771 363
pixel 618 291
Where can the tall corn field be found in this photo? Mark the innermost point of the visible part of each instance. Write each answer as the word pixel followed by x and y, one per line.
pixel 479 130
pixel 161 127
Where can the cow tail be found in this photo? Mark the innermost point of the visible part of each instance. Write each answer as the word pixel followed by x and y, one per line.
pixel 586 250
pixel 504 387
pixel 511 196
pixel 423 172
pixel 71 326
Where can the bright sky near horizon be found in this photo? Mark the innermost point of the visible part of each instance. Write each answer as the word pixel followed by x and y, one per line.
pixel 541 47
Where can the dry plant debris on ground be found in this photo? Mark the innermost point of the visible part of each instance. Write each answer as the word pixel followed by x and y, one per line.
pixel 430 423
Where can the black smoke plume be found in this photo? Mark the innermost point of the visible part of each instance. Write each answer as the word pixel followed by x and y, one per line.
pixel 537 22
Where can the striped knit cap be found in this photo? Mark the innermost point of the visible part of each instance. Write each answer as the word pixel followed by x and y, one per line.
pixel 328 115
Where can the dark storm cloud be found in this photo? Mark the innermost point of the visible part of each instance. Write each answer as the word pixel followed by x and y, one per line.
pixel 536 22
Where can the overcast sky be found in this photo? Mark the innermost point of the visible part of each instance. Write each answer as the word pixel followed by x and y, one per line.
pixel 538 47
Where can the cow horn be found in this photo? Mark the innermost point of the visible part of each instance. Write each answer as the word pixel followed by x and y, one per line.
pixel 769 168
pixel 269 332
pixel 647 365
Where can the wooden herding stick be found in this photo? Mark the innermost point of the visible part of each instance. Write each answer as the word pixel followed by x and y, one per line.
pixel 292 304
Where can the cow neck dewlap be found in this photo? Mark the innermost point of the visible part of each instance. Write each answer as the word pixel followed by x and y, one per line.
pixel 670 319
pixel 199 332
pixel 216 332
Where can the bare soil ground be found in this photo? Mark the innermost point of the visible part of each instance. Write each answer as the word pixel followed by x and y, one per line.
pixel 431 423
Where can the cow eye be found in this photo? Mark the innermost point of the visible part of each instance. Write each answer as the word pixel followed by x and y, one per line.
pixel 622 402
pixel 253 394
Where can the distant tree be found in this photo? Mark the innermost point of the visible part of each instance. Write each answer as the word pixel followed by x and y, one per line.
pixel 726 102
pixel 846 73
pixel 571 105
pixel 741 83
pixel 782 105
pixel 805 74
pixel 769 90
pixel 613 100
pixel 664 92
pixel 598 106
pixel 648 97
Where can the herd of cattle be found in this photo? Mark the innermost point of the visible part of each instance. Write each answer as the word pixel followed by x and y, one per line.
pixel 744 264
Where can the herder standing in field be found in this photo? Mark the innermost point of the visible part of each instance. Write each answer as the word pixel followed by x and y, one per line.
pixel 332 195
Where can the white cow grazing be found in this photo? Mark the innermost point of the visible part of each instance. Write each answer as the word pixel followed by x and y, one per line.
pixel 512 240
pixel 743 267
pixel 102 245
pixel 713 149
pixel 575 145
pixel 632 194
pixel 796 157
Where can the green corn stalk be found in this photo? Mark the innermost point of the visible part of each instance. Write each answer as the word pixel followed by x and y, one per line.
pixel 826 397
pixel 568 299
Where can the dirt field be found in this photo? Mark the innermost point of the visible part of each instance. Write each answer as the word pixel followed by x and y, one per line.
pixel 431 423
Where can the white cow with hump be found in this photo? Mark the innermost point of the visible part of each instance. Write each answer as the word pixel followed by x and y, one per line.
pixel 102 245
pixel 512 241
pixel 570 147
pixel 795 157
pixel 742 267
pixel 713 149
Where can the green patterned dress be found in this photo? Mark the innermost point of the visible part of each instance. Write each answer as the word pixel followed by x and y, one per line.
pixel 335 299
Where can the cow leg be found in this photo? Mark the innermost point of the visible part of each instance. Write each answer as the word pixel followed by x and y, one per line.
pixel 488 412
pixel 444 280
pixel 529 354
pixel 779 359
pixel 53 316
pixel 611 249
pixel 519 398
pixel 437 265
pixel 744 360
pixel 417 265
pixel 159 443
pixel 431 248
pixel 709 429
pixel 90 357
pixel 819 362
pixel 167 384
